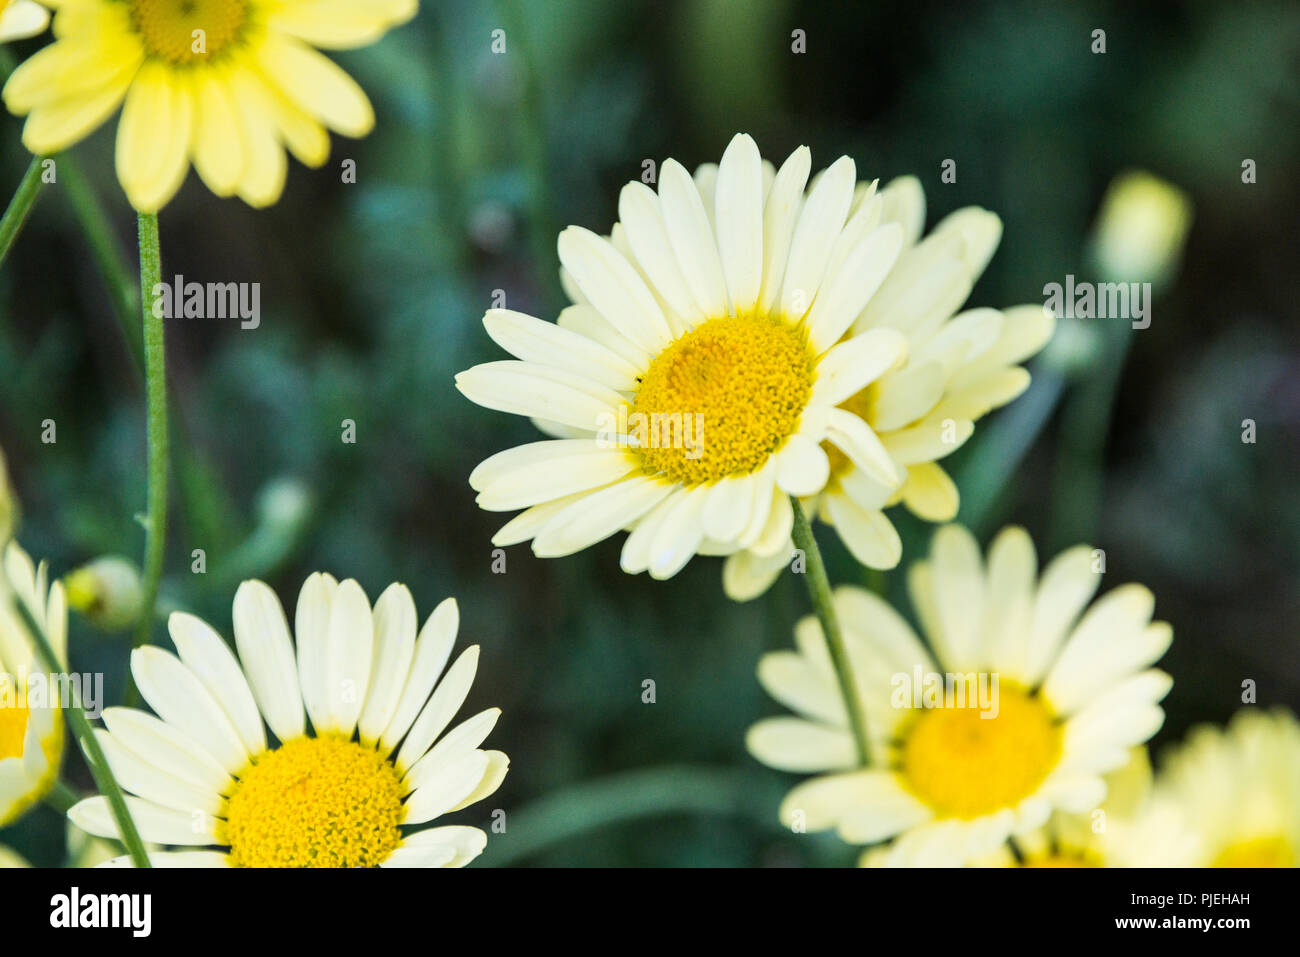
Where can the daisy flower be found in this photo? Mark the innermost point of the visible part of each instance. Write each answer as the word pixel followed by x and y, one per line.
pixel 225 84
pixel 1069 691
pixel 1240 789
pixel 31 731
pixel 21 18
pixel 959 367
pixel 694 381
pixel 204 773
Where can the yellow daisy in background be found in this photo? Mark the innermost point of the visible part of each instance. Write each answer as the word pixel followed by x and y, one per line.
pixel 22 18
pixel 960 366
pixel 204 773
pixel 31 726
pixel 952 779
pixel 1131 828
pixel 703 365
pixel 225 84
pixel 1239 788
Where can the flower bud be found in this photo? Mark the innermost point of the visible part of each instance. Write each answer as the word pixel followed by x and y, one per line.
pixel 107 592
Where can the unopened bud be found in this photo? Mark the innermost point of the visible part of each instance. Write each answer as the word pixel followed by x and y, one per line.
pixel 107 592
pixel 1141 230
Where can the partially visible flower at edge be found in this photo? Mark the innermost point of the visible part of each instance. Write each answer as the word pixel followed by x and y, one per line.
pixel 227 84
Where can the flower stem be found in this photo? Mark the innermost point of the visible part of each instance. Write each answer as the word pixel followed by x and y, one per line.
pixel 155 368
pixel 24 199
pixel 83 732
pixel 819 591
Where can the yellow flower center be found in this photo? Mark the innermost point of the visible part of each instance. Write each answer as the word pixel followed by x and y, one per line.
pixel 13 726
pixel 964 765
pixel 1271 851
pixel 863 405
pixel 314 802
pixel 188 31
pixel 722 398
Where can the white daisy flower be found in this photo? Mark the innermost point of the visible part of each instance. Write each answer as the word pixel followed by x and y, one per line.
pixel 375 762
pixel 22 18
pixel 1240 789
pixel 949 784
pixel 959 367
pixel 703 365
pixel 31 731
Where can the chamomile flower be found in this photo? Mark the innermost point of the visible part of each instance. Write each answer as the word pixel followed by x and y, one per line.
pixel 952 779
pixel 959 367
pixel 1239 788
pixel 225 84
pixel 22 18
pixel 204 774
pixel 31 726
pixel 694 381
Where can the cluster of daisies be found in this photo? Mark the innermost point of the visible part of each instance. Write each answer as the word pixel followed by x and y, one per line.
pixel 753 342
pixel 749 346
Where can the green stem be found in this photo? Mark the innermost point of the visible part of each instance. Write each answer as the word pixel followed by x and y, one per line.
pixel 155 367
pixel 24 199
pixel 1079 482
pixel 819 591
pixel 83 732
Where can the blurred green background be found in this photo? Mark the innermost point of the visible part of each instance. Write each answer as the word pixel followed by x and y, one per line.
pixel 372 295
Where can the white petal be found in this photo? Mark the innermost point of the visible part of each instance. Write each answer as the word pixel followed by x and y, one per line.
pixel 395 625
pixel 206 654
pixel 266 650
pixel 432 650
pixel 440 796
pixel 545 343
pixel 845 293
pixel 156 824
pixel 852 365
pixel 820 222
pixel 441 707
pixel 780 214
pixel 691 235
pixel 179 698
pixel 738 204
pixel 802 467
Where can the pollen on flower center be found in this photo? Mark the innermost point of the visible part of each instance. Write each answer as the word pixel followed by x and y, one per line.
pixel 314 802
pixel 188 31
pixel 964 765
pixel 722 398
